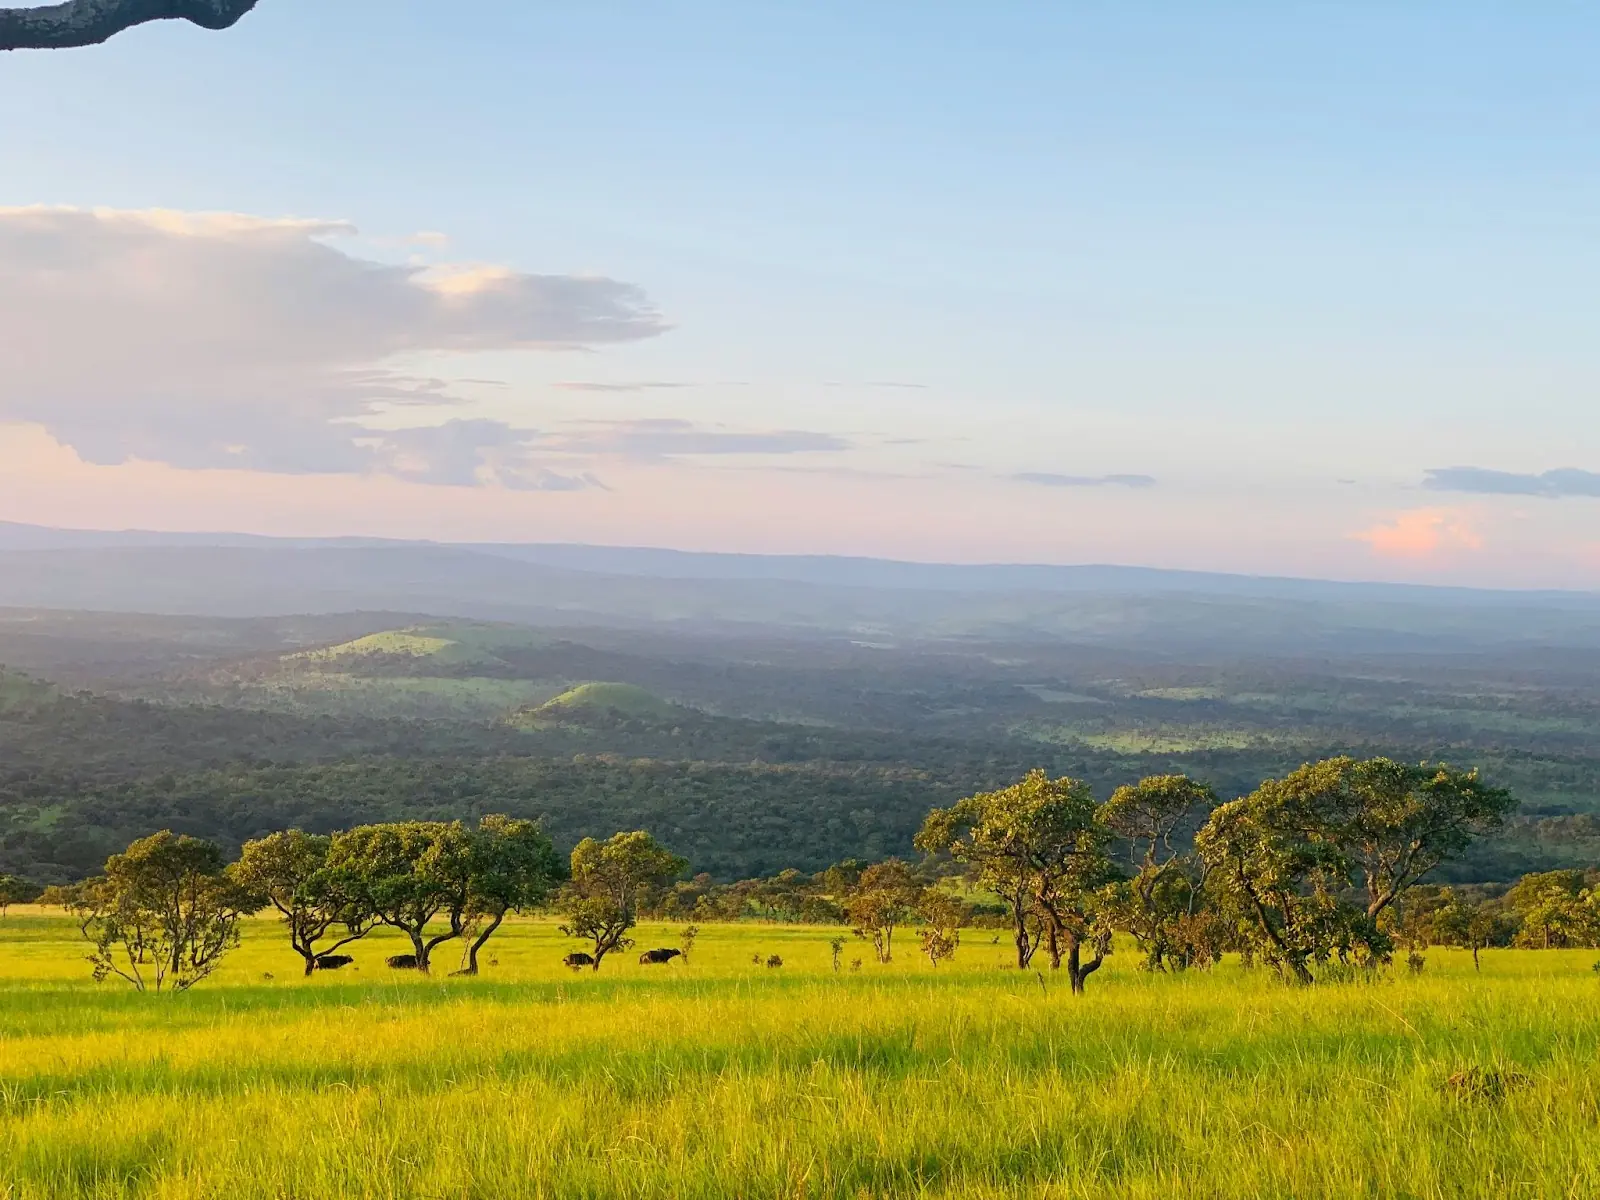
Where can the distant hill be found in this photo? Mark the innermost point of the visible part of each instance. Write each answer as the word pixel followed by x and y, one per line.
pixel 446 644
pixel 624 699
pixel 867 600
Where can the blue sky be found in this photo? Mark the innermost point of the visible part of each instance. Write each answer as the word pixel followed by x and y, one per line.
pixel 1209 286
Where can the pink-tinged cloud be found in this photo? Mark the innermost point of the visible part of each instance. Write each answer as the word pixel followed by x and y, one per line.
pixel 1422 533
pixel 207 340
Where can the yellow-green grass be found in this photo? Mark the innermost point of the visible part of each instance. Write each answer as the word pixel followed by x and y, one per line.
pixel 625 698
pixel 722 1078
pixel 446 644
pixel 341 692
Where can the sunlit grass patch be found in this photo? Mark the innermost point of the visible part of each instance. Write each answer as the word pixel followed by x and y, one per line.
pixel 721 1077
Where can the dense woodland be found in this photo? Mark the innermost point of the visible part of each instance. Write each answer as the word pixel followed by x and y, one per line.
pixel 748 754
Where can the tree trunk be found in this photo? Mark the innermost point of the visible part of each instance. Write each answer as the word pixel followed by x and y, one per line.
pixel 477 944
pixel 1078 971
pixel 419 950
pixel 305 950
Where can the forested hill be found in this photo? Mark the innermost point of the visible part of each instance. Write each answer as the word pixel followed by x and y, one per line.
pixel 82 774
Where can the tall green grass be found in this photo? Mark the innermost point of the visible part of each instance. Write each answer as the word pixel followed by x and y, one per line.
pixel 722 1078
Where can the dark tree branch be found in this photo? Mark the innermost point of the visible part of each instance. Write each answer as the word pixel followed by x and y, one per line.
pixel 90 22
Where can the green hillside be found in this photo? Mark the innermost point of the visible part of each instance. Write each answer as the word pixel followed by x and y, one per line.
pixel 448 644
pixel 623 698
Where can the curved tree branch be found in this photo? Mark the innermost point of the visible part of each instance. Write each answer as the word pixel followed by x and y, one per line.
pixel 90 22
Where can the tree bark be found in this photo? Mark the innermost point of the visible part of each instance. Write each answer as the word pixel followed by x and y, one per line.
pixel 1078 971
pixel 477 944
pixel 419 951
pixel 90 22
pixel 1024 942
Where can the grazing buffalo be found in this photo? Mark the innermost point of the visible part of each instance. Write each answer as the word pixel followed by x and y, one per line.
pixel 332 962
pixel 402 962
pixel 659 956
pixel 577 960
pixel 774 961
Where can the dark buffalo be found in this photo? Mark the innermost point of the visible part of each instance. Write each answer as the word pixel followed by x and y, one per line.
pixel 577 960
pixel 332 962
pixel 402 962
pixel 774 961
pixel 659 956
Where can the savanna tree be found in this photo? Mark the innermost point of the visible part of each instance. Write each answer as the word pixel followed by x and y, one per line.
pixel 512 867
pixel 942 915
pixel 1285 889
pixel 14 891
pixel 90 22
pixel 609 882
pixel 163 914
pixel 1041 846
pixel 883 898
pixel 1313 861
pixel 1163 904
pixel 290 871
pixel 1556 910
pixel 406 875
pixel 1393 822
pixel 1471 925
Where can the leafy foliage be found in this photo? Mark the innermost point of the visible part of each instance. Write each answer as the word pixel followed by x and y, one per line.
pixel 610 882
pixel 163 914
pixel 1041 846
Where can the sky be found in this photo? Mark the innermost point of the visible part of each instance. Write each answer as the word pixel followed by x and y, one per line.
pixel 1301 289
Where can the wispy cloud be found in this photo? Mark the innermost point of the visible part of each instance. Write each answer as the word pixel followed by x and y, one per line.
pixel 1563 481
pixel 1049 479
pixel 1421 533
pixel 222 340
pixel 649 385
pixel 476 453
pixel 669 437
pixel 878 383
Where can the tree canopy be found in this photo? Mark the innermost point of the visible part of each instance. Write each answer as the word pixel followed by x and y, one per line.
pixel 289 870
pixel 1040 845
pixel 90 22
pixel 610 879
pixel 163 914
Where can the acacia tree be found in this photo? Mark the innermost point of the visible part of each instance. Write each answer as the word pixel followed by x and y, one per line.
pixel 883 896
pixel 90 22
pixel 1041 846
pixel 1160 904
pixel 609 880
pixel 512 866
pixel 163 914
pixel 289 870
pixel 406 875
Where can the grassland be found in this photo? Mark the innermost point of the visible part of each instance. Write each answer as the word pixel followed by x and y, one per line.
pixel 623 698
pixel 721 1078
